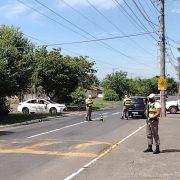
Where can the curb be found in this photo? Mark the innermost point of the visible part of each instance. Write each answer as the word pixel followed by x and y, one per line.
pixel 29 122
pixel 45 119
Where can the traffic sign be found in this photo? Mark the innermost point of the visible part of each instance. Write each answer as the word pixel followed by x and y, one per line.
pixel 162 84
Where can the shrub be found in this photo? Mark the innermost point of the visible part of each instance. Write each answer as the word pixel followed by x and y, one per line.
pixel 110 95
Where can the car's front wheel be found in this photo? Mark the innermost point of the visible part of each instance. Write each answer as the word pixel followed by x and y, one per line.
pixel 53 110
pixel 25 110
pixel 173 110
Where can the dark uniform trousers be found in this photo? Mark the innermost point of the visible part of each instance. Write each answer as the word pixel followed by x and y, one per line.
pixel 125 111
pixel 89 111
pixel 152 132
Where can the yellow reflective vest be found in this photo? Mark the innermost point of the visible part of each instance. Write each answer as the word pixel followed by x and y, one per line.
pixel 89 103
pixel 152 110
pixel 128 102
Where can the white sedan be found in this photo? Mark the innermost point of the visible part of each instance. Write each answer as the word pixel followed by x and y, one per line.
pixel 40 106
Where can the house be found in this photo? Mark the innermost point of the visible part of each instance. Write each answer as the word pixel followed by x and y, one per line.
pixel 95 92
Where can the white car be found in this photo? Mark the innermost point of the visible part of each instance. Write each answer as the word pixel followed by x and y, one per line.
pixel 40 105
pixel 173 106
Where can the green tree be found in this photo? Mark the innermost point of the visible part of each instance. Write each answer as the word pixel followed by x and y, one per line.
pixel 110 95
pixel 15 62
pixel 118 82
pixel 58 75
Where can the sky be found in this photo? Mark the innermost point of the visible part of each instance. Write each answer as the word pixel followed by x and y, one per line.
pixel 119 35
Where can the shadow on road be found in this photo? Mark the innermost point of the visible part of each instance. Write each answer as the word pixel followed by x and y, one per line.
pixel 170 150
pixel 3 133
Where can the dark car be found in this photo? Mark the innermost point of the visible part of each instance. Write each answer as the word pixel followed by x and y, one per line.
pixel 138 106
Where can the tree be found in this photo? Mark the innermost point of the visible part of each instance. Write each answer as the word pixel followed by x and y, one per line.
pixel 15 62
pixel 58 75
pixel 118 82
pixel 85 72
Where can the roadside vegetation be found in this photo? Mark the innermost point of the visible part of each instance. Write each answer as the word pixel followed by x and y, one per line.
pixel 15 117
pixel 26 69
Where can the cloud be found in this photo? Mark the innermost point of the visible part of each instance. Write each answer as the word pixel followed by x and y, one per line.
pixel 11 11
pixel 102 4
pixel 175 11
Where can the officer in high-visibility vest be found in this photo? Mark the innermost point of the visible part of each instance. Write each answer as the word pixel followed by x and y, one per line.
pixel 153 114
pixel 126 103
pixel 89 104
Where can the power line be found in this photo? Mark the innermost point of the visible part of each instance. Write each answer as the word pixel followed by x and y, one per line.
pixel 143 14
pixel 152 25
pixel 102 39
pixel 131 19
pixel 137 18
pixel 93 37
pixel 155 6
pixel 174 41
pixel 117 27
pixel 81 55
pixel 97 24
pixel 151 10
pixel 64 25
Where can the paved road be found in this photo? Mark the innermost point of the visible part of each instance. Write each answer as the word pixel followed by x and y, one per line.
pixel 57 148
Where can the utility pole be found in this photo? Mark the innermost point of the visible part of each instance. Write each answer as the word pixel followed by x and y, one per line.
pixel 131 75
pixel 162 57
pixel 178 68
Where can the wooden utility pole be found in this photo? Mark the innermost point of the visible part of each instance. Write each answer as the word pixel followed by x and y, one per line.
pixel 162 57
pixel 178 68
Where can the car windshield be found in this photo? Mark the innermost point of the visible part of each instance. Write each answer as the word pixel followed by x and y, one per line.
pixel 52 102
pixel 137 100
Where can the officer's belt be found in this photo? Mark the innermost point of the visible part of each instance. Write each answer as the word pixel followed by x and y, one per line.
pixel 154 119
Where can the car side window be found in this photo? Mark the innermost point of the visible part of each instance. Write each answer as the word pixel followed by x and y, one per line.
pixel 41 102
pixel 32 101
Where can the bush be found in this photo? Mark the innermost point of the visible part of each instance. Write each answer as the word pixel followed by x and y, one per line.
pixel 78 95
pixel 110 95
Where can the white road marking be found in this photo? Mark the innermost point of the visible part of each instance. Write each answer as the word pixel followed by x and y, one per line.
pixel 106 113
pixel 56 130
pixel 101 155
pixel 116 113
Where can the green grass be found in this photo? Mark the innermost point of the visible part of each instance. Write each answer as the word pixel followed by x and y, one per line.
pixel 17 118
pixel 98 103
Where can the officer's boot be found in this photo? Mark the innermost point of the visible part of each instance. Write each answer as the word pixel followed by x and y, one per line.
pixel 122 116
pixel 157 151
pixel 149 149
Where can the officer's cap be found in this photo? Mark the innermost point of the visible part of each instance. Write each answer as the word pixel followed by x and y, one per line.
pixel 152 95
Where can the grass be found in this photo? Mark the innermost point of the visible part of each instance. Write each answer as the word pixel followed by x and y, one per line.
pixel 18 118
pixel 12 118
pixel 98 103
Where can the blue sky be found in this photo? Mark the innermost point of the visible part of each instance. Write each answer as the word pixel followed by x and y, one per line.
pixel 64 22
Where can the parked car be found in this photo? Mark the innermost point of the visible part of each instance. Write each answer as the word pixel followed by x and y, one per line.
pixel 138 106
pixel 40 105
pixel 173 106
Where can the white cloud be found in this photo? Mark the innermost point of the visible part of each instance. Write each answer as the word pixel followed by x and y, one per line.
pixel 102 4
pixel 11 11
pixel 175 11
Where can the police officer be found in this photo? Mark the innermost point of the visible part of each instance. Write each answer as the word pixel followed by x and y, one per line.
pixel 126 103
pixel 89 104
pixel 153 114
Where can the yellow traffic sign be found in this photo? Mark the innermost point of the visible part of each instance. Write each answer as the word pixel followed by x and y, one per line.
pixel 162 84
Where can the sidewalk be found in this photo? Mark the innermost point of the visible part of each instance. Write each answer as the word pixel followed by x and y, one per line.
pixel 128 162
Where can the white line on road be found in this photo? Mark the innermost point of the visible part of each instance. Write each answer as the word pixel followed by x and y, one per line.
pixel 103 154
pixel 116 113
pixel 56 130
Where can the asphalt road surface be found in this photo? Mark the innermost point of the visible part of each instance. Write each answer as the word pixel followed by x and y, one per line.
pixel 54 150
